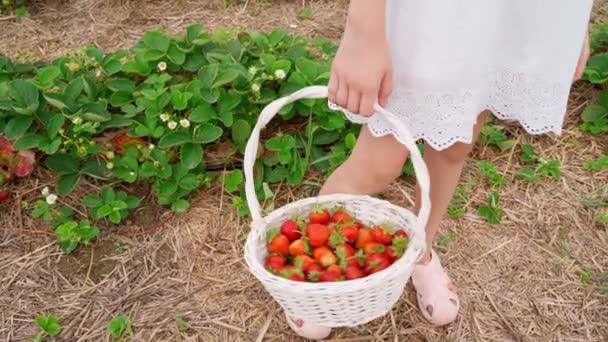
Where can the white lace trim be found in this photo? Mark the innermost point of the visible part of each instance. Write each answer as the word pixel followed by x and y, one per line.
pixel 444 118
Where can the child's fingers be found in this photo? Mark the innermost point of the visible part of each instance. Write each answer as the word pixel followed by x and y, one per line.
pixel 366 107
pixel 332 87
pixel 354 97
pixel 386 88
pixel 342 95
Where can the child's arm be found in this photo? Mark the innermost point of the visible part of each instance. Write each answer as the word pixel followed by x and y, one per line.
pixel 362 72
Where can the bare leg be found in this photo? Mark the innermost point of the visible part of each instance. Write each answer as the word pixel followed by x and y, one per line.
pixel 445 168
pixel 372 166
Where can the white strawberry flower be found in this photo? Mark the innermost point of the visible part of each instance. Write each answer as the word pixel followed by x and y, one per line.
pixel 280 74
pixel 77 120
pixel 162 66
pixel 253 70
pixel 110 155
pixel 172 124
pixel 46 192
pixel 51 199
pixel 97 73
pixel 164 117
pixel 151 146
pixel 255 87
pixel 110 166
pixel 184 123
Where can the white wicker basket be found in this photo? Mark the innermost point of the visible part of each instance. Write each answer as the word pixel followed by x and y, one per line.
pixel 347 303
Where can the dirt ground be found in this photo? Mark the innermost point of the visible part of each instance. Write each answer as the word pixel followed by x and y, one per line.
pixel 518 281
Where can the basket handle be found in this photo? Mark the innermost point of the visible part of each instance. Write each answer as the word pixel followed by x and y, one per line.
pixel 318 92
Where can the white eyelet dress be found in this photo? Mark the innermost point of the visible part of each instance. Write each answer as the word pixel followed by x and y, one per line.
pixel 453 59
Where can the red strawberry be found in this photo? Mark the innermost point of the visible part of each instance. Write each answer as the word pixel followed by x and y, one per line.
pixel 274 263
pixel 23 164
pixel 304 262
pixel 401 233
pixel 314 271
pixel 353 272
pixel 298 247
pixel 318 252
pixel 359 225
pixel 278 243
pixel 373 247
pixel 340 216
pixel 296 277
pixel 331 228
pixel 381 235
pixel 390 251
pixel 335 269
pixel 350 233
pixel 319 215
pixel 376 263
pixel 328 276
pixel 317 234
pixel 365 236
pixel 349 251
pixel 4 195
pixel 291 229
pixel 290 272
pixel 122 141
pixel 328 259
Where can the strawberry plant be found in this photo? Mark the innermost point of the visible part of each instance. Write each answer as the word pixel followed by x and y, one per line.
pixel 598 164
pixel 488 169
pixel 49 325
pixel 119 326
pixel 113 205
pixel 494 135
pixel 17 7
pixel 71 234
pixel 491 211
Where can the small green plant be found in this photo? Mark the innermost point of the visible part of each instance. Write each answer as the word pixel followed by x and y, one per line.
pixel 71 234
pixel 232 180
pixel 491 211
pixel 494 135
pixel 528 155
pixel 14 6
pixel 114 205
pixel 49 325
pixel 306 13
pixel 598 164
pixel 549 168
pixel 602 218
pixel 119 326
pixel 181 324
pixel 488 169
pixel 528 175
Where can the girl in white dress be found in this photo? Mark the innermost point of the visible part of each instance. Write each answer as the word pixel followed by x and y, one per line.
pixel 442 66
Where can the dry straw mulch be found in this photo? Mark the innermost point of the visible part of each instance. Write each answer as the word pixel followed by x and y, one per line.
pixel 518 281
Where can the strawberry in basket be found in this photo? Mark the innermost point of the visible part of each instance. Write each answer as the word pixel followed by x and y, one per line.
pixel 332 246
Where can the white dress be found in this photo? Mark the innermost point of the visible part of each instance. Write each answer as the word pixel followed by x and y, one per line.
pixel 453 59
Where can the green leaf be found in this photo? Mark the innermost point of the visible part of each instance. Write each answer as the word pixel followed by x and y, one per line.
pixel 175 138
pixel 115 217
pixel 207 133
pixel 103 211
pixel 240 132
pixel 56 100
pixel 191 155
pixel 29 141
pixel 132 202
pixel 107 194
pixel 202 113
pixel 232 180
pixel 74 89
pixel 25 96
pixel 594 113
pixel 153 55
pixel 193 31
pixel 92 201
pixel 120 84
pixel 156 41
pixel 17 126
pixel 46 76
pixel 182 325
pixel 229 102
pixel 176 56
pixel 96 168
pixel 180 100
pixel 208 73
pixel 63 164
pixel 282 64
pixel 227 118
pixel 225 76
pixel 118 326
pixel 95 112
pixel 189 182
pixel 49 324
pixel 308 68
pixel 57 120
pixel 67 183
pixel 168 188
pixel 121 98
pixel 180 206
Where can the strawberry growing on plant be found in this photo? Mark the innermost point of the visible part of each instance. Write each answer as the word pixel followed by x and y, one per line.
pixel 4 195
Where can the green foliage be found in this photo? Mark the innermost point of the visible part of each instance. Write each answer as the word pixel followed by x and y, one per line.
pixel 16 7
pixel 488 169
pixel 49 325
pixel 491 211
pixel 494 135
pixel 119 326
pixel 595 116
pixel 113 205
pixel 598 164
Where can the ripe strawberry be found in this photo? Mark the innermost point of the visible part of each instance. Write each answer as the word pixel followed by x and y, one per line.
pixel 353 272
pixel 359 225
pixel 401 233
pixel 331 228
pixel 365 236
pixel 328 276
pixel 314 271
pixel 340 216
pixel 317 234
pixel 277 243
pixel 4 195
pixel 291 272
pixel 376 263
pixel 390 251
pixel 328 259
pixel 291 229
pixel 349 251
pixel 319 215
pixel 296 277
pixel 318 252
pixel 350 233
pixel 373 247
pixel 381 235
pixel 274 263
pixel 304 262
pixel 298 247
pixel 335 269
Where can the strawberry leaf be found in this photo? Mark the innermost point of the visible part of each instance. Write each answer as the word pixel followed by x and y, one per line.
pixel 336 238
pixel 400 245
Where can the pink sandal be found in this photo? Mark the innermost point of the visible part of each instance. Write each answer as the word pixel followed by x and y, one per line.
pixel 308 330
pixel 435 292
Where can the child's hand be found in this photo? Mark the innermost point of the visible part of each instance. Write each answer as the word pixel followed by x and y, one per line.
pixel 361 73
pixel 582 61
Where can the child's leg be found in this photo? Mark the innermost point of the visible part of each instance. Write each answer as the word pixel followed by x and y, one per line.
pixel 445 168
pixel 371 167
pixel 436 297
